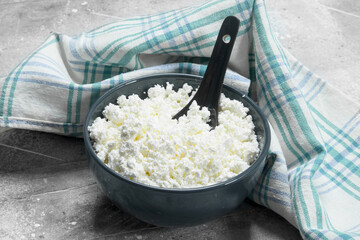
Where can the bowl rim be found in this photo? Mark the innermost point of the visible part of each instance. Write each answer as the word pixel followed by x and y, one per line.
pixel 250 170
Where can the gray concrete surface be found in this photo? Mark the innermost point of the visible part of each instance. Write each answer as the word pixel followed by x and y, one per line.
pixel 324 35
pixel 46 190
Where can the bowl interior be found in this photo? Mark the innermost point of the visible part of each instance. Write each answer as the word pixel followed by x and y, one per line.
pixel 140 87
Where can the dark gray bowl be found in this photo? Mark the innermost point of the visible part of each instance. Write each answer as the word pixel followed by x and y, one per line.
pixel 175 207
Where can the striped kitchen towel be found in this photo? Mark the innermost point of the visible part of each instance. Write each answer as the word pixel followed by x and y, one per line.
pixel 312 180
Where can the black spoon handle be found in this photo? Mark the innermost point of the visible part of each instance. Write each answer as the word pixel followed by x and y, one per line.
pixel 209 91
pixel 208 94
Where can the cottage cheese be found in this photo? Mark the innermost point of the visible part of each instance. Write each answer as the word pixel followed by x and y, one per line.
pixel 140 140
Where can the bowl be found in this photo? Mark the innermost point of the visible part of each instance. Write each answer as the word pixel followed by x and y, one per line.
pixel 175 207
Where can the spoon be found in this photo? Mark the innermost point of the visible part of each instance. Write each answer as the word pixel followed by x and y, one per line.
pixel 208 94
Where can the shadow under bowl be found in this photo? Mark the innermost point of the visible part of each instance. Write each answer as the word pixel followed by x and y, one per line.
pixel 175 207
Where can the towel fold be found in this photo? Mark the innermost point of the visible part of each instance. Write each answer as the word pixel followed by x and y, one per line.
pixel 312 180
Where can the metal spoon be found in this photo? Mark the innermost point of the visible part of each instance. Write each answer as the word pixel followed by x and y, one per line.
pixel 208 94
